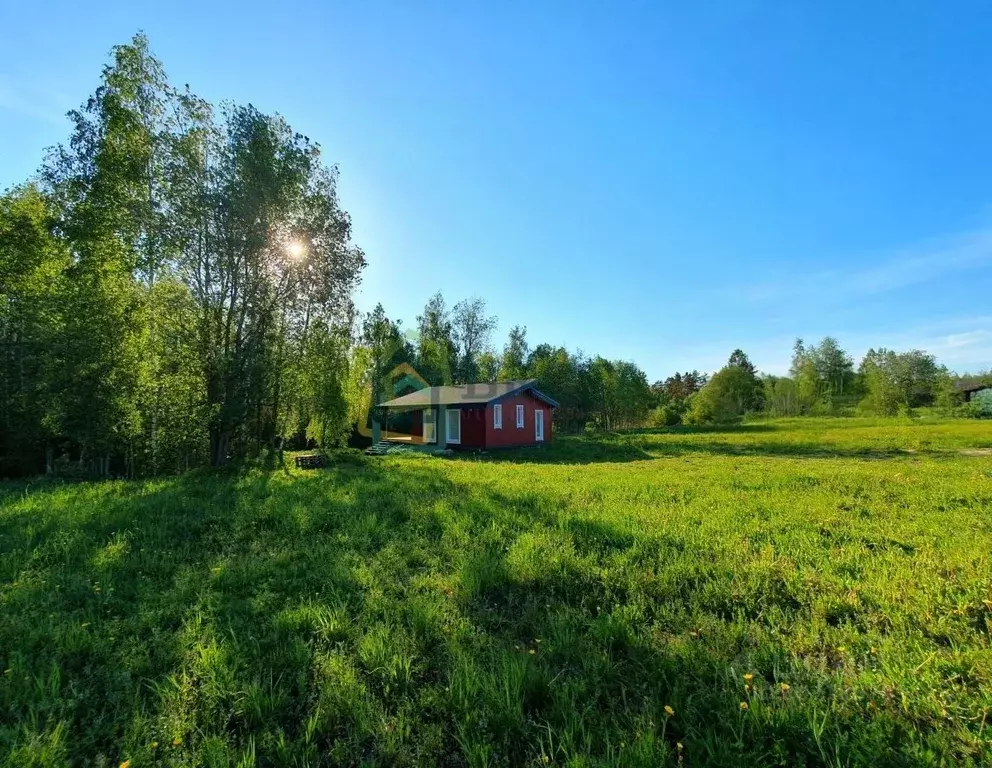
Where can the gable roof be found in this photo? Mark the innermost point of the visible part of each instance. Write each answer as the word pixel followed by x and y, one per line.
pixel 468 394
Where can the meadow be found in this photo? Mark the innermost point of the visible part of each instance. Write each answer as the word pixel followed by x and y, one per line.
pixel 806 592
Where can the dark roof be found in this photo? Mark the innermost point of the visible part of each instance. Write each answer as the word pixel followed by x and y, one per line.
pixel 971 386
pixel 468 394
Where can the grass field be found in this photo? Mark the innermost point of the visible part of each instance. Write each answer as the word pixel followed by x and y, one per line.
pixel 809 592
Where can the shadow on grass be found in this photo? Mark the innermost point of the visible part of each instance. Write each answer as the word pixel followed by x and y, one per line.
pixel 639 447
pixel 372 613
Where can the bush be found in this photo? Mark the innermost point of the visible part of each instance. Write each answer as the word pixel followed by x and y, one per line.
pixel 726 398
pixel 980 406
pixel 664 416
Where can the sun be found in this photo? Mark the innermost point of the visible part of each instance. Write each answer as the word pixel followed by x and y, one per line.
pixel 296 249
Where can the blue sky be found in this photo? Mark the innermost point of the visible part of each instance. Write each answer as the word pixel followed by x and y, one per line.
pixel 655 181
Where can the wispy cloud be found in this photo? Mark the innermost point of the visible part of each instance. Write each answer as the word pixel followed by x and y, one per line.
pixel 880 273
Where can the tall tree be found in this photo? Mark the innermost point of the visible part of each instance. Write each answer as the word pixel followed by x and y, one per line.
pixel 31 267
pixel 106 184
pixel 436 351
pixel 471 328
pixel 515 354
pixel 752 391
pixel 896 381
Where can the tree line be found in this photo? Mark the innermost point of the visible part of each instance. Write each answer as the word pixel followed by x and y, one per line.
pixel 176 289
pixel 454 346
pixel 175 285
pixel 822 380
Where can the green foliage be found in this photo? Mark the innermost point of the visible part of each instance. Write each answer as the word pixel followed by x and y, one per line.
pixel 515 353
pixel 599 602
pixel 732 392
pixel 471 328
pixel 824 376
pixel 31 262
pixel 898 382
pixel 980 405
pixel 437 355
pixel 210 262
pixel 664 416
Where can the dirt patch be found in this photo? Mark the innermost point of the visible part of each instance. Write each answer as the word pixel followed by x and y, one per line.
pixel 976 451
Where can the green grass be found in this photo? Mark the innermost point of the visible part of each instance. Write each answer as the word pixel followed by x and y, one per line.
pixel 594 603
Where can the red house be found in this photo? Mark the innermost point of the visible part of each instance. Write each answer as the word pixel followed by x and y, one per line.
pixel 501 414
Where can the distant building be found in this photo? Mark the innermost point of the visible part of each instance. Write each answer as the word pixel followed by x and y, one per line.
pixel 970 388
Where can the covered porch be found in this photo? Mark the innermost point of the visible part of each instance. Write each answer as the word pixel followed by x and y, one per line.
pixel 435 427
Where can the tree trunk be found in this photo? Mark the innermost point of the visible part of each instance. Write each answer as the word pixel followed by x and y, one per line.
pixel 219 442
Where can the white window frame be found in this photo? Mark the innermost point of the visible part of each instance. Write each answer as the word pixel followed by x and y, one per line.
pixel 539 425
pixel 430 424
pixel 498 416
pixel 520 417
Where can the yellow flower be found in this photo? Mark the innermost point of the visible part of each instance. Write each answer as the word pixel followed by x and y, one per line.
pixel 743 705
pixel 176 741
pixel 747 688
pixel 841 649
pixel 785 687
pixel 532 652
pixel 125 764
pixel 748 677
pixel 874 649
pixel 537 640
pixel 154 745
pixel 669 711
pixel 678 744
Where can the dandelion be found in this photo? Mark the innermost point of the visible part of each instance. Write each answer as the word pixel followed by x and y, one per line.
pixel 126 764
pixel 744 705
pixel 841 649
pixel 785 687
pixel 154 745
pixel 874 649
pixel 748 677
pixel 669 711
pixel 532 652
pixel 678 745
pixel 176 741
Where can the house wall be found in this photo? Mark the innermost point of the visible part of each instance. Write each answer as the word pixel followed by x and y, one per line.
pixel 509 435
pixel 473 427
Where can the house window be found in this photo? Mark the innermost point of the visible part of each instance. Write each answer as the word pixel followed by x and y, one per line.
pixel 429 435
pixel 497 416
pixel 520 417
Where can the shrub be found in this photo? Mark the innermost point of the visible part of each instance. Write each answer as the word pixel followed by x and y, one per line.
pixel 980 406
pixel 664 416
pixel 726 398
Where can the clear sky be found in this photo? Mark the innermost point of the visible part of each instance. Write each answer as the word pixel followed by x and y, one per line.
pixel 656 181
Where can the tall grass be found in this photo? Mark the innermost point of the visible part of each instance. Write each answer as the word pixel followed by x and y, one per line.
pixel 812 592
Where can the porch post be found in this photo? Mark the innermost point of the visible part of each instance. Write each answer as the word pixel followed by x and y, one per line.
pixel 441 427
